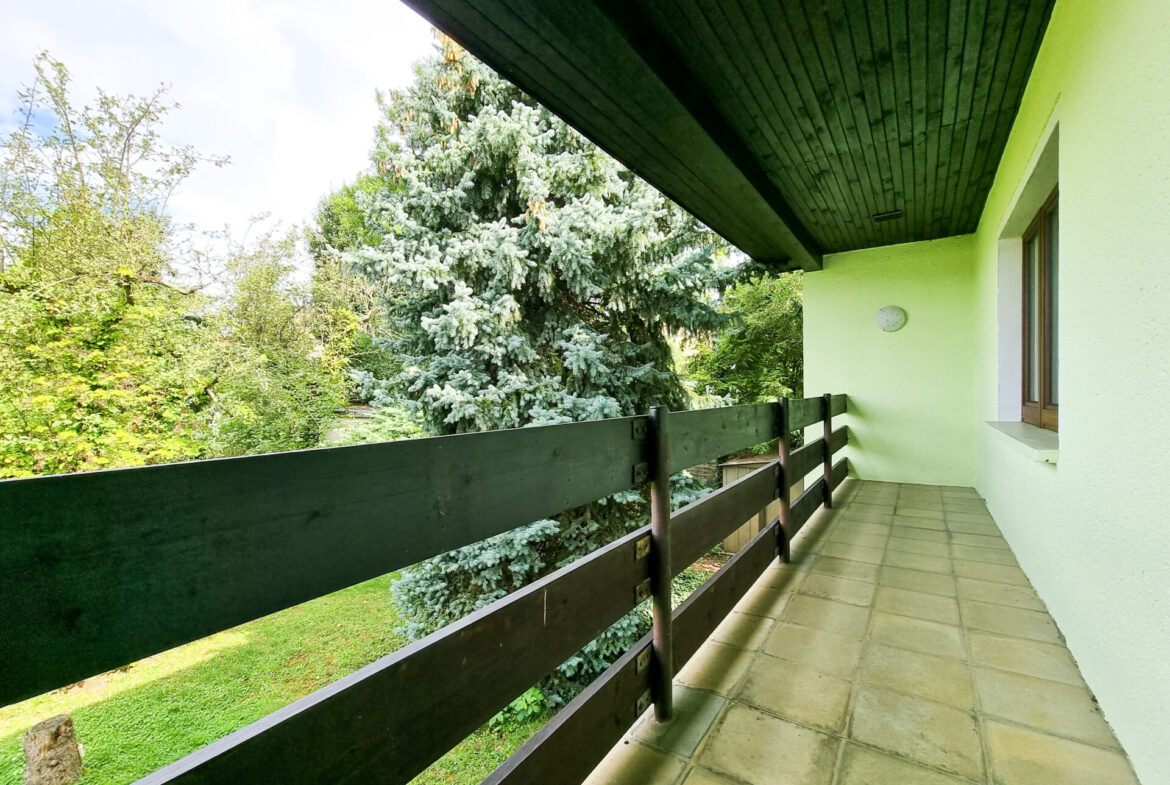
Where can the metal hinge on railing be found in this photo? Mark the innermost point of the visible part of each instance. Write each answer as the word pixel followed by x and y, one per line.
pixel 643 661
pixel 638 428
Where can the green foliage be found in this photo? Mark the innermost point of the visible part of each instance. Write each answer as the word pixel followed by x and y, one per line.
pixel 758 356
pixel 538 280
pixel 105 358
pixel 279 354
pixel 385 424
pixel 340 223
pixel 92 335
pixel 530 705
pixel 534 281
pixel 340 227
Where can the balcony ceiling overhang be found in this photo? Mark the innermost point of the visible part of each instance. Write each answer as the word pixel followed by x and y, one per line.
pixel 784 126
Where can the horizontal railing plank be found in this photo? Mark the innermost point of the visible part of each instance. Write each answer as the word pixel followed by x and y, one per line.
pixel 703 434
pixel 840 472
pixel 805 505
pixel 572 743
pixel 698 616
pixel 389 721
pixel 839 405
pixel 697 527
pixel 839 439
pixel 103 568
pixel 805 460
pixel 803 412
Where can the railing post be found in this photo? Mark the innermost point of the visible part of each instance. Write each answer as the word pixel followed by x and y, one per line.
pixel 785 448
pixel 828 417
pixel 662 673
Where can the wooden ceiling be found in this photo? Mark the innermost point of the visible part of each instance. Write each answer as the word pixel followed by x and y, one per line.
pixel 785 126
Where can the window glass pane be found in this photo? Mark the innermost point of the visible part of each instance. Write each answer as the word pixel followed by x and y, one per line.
pixel 1032 318
pixel 1053 300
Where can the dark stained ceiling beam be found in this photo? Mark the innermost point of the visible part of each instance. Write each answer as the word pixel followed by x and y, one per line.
pixel 672 69
pixel 581 62
pixel 792 128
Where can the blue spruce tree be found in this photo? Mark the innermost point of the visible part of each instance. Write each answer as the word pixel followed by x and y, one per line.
pixel 537 281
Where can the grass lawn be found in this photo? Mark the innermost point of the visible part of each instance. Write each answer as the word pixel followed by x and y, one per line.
pixel 140 718
pixel 153 712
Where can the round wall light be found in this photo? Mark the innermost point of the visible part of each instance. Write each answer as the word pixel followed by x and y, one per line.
pixel 891 318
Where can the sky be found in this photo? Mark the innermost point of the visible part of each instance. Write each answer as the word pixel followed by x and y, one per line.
pixel 286 89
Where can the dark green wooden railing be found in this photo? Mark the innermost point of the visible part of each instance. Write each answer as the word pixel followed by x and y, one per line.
pixel 101 569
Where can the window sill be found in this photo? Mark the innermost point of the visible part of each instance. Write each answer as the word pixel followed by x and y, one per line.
pixel 1037 443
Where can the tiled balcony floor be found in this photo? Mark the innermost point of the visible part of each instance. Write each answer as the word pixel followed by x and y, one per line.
pixel 902 646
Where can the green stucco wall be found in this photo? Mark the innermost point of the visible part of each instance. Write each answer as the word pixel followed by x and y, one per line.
pixel 1091 531
pixel 911 392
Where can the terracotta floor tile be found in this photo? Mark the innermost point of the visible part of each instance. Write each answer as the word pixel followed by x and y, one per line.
pixel 1016 596
pixel 831 587
pixel 920 605
pixel 921 730
pixel 863 766
pixel 827 615
pixel 796 693
pixel 1059 709
pixel 941 679
pixel 917 580
pixel 752 746
pixel 927 637
pixel 1024 757
pixel 1022 623
pixel 845 568
pixel 1031 658
pixel 631 763
pixel 834 654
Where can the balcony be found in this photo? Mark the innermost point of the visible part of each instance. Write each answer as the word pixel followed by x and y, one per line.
pixel 893 640
pixel 901 644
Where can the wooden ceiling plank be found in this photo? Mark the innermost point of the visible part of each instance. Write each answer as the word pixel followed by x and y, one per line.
pixel 916 16
pixel 831 36
pixel 785 126
pixel 899 41
pixel 1030 34
pixel 691 18
pixel 789 149
pixel 895 95
pixel 973 38
pixel 795 94
pixel 817 96
pixel 847 64
pixel 671 68
pixel 957 32
pixel 990 60
pixel 941 49
pixel 874 65
pixel 1011 37
pixel 819 60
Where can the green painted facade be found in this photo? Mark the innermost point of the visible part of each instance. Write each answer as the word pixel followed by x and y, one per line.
pixel 911 392
pixel 1090 530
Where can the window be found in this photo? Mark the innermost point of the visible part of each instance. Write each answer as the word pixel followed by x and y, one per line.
pixel 1041 389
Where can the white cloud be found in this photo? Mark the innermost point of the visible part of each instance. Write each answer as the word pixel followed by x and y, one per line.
pixel 284 88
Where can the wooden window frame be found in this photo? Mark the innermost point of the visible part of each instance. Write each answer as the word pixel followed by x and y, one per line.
pixel 1040 412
